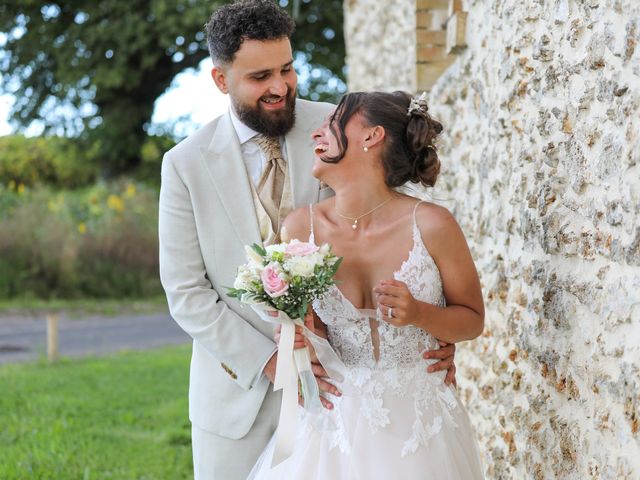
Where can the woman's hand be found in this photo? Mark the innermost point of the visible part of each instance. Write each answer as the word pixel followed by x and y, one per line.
pixel 398 306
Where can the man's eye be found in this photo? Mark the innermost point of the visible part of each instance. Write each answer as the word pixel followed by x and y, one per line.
pixel 260 77
pixel 286 69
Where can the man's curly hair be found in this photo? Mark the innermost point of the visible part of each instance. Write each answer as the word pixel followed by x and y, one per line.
pixel 233 23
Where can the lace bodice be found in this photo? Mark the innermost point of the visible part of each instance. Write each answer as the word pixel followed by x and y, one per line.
pixel 399 371
pixel 350 329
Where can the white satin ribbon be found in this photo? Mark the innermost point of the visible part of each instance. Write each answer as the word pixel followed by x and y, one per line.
pixel 291 365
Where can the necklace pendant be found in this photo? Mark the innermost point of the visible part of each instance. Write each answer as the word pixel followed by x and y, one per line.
pixel 355 224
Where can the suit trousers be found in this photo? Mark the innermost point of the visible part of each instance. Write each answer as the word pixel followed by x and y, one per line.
pixel 220 458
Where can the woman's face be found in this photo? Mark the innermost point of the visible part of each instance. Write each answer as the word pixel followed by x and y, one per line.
pixel 328 146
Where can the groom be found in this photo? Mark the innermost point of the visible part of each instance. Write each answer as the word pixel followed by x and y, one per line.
pixel 228 185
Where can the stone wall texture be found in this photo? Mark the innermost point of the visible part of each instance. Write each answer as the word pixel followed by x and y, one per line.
pixel 541 167
pixel 381 44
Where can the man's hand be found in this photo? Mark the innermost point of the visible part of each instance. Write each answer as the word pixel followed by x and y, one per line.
pixel 446 356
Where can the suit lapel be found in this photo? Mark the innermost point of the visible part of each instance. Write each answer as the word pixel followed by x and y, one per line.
pixel 223 160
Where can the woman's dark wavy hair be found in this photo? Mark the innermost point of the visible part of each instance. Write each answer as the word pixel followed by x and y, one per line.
pixel 231 24
pixel 409 153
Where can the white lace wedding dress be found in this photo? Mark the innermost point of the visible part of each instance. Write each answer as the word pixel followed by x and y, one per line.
pixel 403 423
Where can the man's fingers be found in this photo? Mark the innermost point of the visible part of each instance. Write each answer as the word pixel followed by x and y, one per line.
pixel 442 353
pixel 441 365
pixel 450 377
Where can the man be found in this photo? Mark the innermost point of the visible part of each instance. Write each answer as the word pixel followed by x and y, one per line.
pixel 224 187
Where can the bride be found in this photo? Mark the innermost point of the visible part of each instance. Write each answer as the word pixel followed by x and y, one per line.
pixel 407 278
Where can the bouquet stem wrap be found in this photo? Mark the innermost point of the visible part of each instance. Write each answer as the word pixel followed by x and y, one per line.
pixel 291 366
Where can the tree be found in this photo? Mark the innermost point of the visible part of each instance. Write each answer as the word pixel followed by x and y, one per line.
pixel 94 69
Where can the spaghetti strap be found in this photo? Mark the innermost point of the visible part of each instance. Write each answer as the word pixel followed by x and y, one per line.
pixel 312 238
pixel 416 230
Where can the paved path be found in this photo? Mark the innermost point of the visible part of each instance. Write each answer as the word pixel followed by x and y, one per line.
pixel 24 338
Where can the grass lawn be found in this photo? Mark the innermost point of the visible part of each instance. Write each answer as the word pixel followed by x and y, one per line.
pixel 120 417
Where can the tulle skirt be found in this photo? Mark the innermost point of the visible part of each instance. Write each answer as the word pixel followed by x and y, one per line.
pixel 384 436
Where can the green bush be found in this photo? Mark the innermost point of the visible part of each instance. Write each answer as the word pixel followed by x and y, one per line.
pixel 151 153
pixel 49 160
pixel 98 242
pixel 69 163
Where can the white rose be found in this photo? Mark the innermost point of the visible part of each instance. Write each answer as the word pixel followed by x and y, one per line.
pixel 244 278
pixel 324 249
pixel 300 266
pixel 318 258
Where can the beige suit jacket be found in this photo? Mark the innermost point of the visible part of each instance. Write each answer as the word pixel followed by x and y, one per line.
pixel 206 217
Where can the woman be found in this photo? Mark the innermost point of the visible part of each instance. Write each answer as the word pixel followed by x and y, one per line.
pixel 406 279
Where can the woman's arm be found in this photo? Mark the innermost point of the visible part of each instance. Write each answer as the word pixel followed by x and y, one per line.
pixel 463 316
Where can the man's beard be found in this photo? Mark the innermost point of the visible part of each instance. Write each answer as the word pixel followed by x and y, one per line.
pixel 272 123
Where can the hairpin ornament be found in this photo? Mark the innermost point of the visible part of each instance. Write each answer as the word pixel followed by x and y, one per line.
pixel 418 104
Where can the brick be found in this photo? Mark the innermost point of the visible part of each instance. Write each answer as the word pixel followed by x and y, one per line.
pixel 456 32
pixel 431 53
pixel 424 19
pixel 431 37
pixel 432 4
pixel 455 6
pixel 432 20
pixel 428 73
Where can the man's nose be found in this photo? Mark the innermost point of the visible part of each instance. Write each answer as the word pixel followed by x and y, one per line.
pixel 278 86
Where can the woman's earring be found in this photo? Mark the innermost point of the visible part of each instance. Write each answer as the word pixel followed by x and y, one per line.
pixel 365 148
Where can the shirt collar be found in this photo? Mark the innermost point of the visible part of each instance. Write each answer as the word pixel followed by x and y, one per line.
pixel 243 131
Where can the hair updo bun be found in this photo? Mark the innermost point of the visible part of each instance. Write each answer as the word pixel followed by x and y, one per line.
pixel 422 131
pixel 409 153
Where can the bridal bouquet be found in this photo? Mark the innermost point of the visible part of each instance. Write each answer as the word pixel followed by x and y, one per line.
pixel 280 282
pixel 286 277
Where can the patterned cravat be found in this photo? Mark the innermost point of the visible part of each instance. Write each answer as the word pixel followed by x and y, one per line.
pixel 271 181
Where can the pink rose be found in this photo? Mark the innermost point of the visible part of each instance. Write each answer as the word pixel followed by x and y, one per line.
pixel 273 283
pixel 300 249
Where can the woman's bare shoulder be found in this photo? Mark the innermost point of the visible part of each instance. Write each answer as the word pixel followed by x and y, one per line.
pixel 438 227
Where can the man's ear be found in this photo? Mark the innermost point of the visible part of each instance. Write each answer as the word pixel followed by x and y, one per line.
pixel 220 79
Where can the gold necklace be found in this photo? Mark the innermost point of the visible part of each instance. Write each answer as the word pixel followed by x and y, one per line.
pixel 355 219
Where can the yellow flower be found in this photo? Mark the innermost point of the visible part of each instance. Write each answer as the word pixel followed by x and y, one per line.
pixel 21 189
pixel 12 185
pixel 82 228
pixel 114 202
pixel 131 190
pixel 52 206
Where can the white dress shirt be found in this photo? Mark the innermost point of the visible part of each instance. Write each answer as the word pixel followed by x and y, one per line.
pixel 253 156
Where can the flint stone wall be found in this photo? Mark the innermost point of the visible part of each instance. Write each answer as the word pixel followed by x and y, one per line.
pixel 540 165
